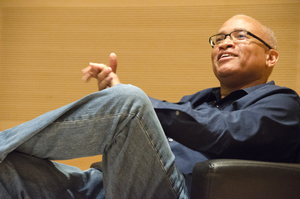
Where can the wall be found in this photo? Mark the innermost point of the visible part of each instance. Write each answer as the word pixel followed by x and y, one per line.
pixel 162 47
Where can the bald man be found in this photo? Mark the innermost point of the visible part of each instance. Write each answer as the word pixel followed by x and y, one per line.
pixel 149 146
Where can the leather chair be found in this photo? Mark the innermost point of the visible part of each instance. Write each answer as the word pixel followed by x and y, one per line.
pixel 243 179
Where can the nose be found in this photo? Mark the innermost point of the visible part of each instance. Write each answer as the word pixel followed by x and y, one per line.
pixel 226 43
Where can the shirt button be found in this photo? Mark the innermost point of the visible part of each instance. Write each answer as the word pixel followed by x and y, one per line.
pixel 217 106
pixel 170 139
pixel 177 112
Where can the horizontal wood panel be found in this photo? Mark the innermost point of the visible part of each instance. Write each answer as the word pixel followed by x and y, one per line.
pixel 162 48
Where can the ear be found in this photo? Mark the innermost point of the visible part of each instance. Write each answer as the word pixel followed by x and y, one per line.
pixel 271 57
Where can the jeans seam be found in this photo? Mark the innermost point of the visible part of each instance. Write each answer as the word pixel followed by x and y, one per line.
pixel 157 156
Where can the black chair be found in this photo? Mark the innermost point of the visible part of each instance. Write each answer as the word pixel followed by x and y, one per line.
pixel 243 179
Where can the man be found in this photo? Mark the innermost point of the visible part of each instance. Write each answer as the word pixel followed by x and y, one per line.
pixel 245 118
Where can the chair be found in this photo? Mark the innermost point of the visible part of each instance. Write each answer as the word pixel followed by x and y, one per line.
pixel 244 179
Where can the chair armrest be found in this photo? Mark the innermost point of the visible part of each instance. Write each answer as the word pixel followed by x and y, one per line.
pixel 245 179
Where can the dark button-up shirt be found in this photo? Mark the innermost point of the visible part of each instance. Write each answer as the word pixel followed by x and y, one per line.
pixel 256 123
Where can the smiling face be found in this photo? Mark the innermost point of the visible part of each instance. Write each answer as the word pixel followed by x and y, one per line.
pixel 241 64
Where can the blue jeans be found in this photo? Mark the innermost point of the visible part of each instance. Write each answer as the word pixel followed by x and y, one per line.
pixel 118 123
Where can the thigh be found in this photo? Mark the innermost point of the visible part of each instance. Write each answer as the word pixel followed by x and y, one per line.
pixel 25 176
pixel 85 128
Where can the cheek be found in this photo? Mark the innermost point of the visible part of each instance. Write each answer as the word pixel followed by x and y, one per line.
pixel 253 59
pixel 213 54
pixel 214 65
pixel 214 57
pixel 253 63
pixel 253 54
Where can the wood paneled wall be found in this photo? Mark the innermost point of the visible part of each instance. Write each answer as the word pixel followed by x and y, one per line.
pixel 162 47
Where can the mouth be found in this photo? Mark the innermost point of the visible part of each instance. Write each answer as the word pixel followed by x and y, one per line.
pixel 225 55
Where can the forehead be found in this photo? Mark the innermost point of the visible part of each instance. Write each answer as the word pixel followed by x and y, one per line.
pixel 240 23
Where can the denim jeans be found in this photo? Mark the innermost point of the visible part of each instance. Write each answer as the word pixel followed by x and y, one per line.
pixel 119 123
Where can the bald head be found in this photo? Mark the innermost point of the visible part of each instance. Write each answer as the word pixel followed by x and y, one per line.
pixel 265 33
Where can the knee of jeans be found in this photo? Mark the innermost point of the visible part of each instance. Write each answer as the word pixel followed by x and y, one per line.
pixel 124 94
pixel 130 92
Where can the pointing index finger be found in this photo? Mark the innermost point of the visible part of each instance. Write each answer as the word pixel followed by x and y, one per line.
pixel 113 62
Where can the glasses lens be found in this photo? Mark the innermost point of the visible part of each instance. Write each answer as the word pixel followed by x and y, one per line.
pixel 216 39
pixel 239 35
pixel 219 38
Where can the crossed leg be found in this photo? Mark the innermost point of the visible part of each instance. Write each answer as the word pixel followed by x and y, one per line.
pixel 120 124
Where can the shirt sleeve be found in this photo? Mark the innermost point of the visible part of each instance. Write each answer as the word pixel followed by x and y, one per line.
pixel 259 126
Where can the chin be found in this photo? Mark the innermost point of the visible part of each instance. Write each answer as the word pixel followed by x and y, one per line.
pixel 224 72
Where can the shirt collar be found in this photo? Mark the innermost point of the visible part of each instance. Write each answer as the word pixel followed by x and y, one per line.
pixel 216 92
pixel 253 88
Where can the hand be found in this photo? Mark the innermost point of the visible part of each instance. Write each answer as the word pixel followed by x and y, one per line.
pixel 105 75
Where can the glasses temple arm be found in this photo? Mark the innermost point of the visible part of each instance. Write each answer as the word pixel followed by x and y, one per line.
pixel 256 37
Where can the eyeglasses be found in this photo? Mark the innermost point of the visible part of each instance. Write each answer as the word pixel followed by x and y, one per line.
pixel 237 35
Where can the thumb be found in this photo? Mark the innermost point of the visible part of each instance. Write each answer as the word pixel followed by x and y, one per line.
pixel 115 79
pixel 113 62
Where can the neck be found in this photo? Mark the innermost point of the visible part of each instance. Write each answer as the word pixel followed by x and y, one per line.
pixel 227 89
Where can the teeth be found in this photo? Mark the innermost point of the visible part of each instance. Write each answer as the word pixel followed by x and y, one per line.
pixel 225 55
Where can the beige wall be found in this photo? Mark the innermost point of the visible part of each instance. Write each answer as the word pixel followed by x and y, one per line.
pixel 162 47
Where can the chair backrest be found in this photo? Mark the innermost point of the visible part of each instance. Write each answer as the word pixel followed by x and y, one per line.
pixel 217 179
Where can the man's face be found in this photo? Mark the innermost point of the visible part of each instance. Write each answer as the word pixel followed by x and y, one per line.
pixel 245 61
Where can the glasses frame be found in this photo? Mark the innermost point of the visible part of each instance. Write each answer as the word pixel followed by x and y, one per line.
pixel 248 33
